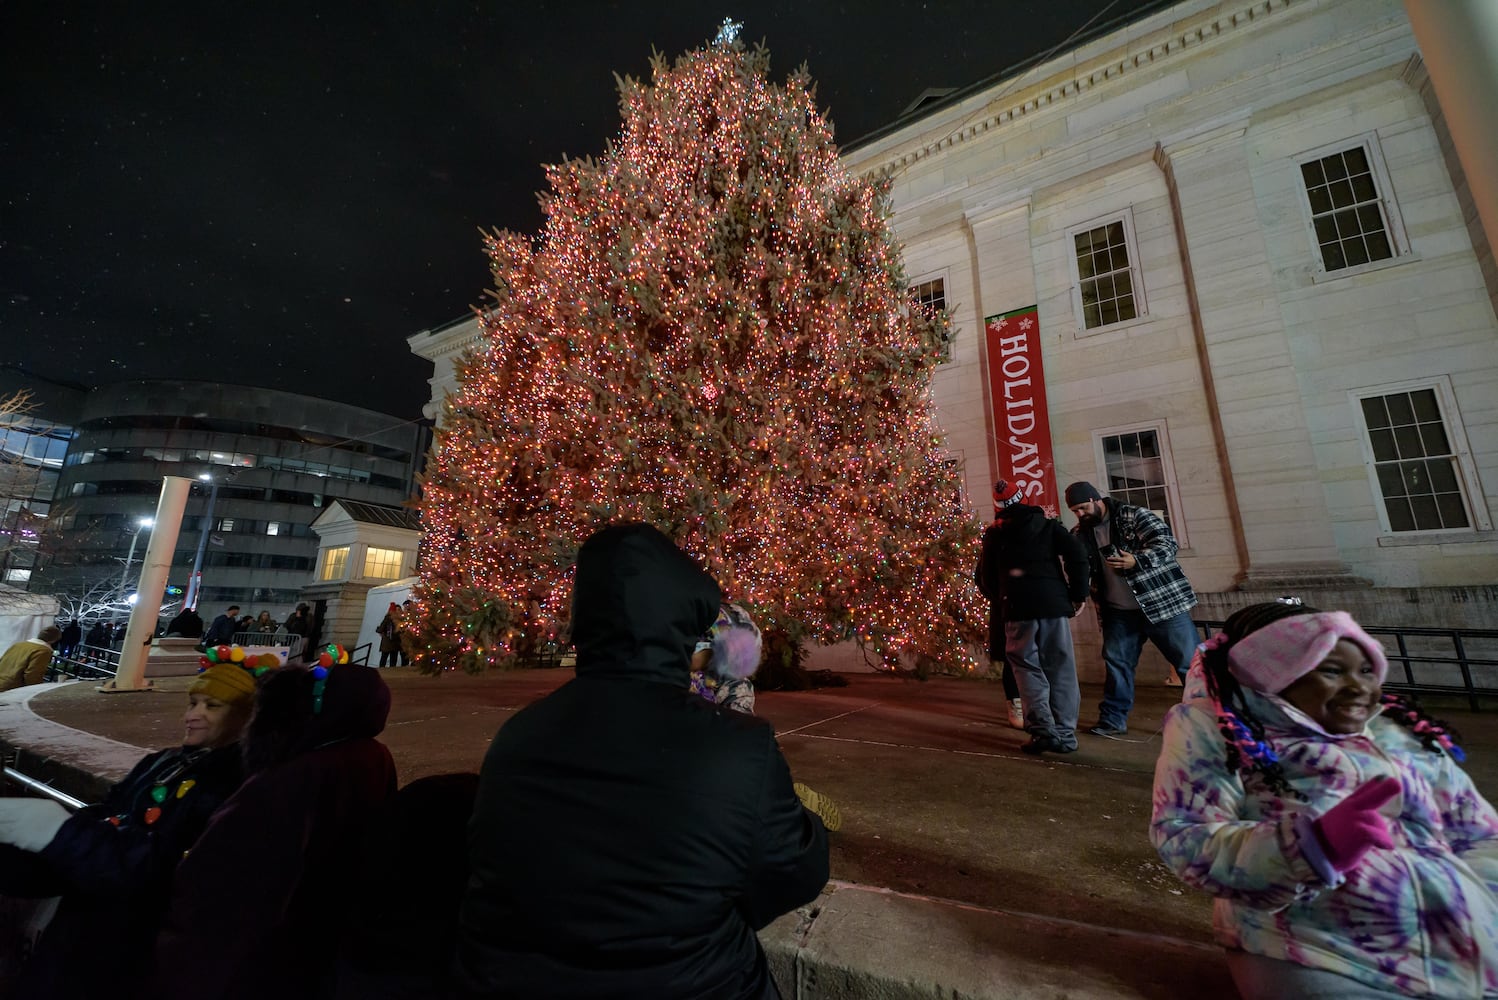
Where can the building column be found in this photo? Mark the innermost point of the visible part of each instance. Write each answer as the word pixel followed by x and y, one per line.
pixel 1458 41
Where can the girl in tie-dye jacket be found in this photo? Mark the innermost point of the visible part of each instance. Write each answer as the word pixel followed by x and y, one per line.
pixel 1347 850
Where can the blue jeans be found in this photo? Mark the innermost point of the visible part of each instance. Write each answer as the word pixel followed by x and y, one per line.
pixel 1124 633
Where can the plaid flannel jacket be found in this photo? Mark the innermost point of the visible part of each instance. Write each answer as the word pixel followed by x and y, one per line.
pixel 1159 586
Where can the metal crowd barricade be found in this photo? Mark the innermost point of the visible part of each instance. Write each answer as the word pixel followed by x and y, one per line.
pixel 1457 661
pixel 272 642
pixel 85 663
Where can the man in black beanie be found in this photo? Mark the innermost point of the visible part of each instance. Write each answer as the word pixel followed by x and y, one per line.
pixel 1140 593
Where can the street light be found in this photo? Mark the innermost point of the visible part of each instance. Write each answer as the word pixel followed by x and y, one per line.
pixel 141 524
pixel 193 585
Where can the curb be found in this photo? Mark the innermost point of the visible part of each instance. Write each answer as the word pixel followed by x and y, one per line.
pixel 858 942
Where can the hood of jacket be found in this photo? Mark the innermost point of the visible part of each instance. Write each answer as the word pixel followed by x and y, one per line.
pixel 639 606
pixel 1023 517
pixel 289 720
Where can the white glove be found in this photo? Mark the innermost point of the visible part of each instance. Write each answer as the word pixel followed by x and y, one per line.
pixel 30 824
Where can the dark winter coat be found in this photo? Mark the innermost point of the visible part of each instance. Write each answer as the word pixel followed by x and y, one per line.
pixel 112 863
pixel 629 838
pixel 221 631
pixel 188 624
pixel 1158 583
pixel 1031 566
pixel 258 906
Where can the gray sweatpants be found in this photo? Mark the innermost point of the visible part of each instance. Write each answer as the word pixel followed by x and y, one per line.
pixel 1039 651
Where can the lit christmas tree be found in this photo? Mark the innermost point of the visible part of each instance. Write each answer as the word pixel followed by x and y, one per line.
pixel 712 334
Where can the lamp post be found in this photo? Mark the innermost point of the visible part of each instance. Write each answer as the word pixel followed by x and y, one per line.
pixel 193 584
pixel 141 524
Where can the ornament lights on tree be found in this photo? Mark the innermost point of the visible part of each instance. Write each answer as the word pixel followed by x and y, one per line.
pixel 713 334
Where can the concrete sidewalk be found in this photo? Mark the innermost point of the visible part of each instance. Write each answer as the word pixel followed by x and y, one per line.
pixel 964 868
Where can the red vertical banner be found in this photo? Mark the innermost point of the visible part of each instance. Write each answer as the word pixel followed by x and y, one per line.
pixel 1017 404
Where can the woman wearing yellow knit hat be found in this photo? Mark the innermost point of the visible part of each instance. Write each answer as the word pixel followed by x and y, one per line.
pixel 112 863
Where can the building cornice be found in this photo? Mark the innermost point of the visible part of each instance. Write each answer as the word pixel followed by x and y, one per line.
pixel 1173 42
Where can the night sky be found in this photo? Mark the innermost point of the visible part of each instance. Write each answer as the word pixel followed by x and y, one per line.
pixel 278 194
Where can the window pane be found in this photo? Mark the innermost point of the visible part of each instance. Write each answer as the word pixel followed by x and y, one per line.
pixel 1378 247
pixel 1123 284
pixel 1423 403
pixel 1357 160
pixel 1400 518
pixel 1400 410
pixel 1120 257
pixel 1105 287
pixel 1126 308
pixel 1362 187
pixel 1342 193
pixel 1321 200
pixel 1375 413
pixel 1108 312
pixel 1090 316
pixel 1357 252
pixel 1453 514
pixel 1390 482
pixel 1427 518
pixel 1331 255
pixel 1407 440
pixel 1335 168
pixel 1433 436
pixel 1326 230
pixel 1383 445
pixel 1347 224
pixel 1313 174
pixel 1115 232
pixel 1442 475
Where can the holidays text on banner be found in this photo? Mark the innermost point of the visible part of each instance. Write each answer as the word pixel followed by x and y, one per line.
pixel 1016 399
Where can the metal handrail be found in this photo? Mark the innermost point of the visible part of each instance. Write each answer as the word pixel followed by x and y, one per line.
pixel 1401 657
pixel 42 788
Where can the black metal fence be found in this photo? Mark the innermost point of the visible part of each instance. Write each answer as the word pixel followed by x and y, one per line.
pixel 1448 661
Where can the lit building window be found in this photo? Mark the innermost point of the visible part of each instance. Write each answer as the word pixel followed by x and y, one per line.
pixel 334 564
pixel 382 564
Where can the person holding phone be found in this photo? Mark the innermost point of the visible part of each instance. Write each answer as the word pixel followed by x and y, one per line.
pixel 1140 593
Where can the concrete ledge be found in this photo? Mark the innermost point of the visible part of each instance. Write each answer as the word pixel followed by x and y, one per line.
pixel 865 943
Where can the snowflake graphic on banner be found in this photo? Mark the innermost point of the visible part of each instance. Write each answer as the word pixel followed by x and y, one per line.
pixel 1026 323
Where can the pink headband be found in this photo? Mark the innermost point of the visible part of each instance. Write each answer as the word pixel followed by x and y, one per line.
pixel 1282 652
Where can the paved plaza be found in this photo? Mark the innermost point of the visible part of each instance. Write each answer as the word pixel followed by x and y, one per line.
pixel 940 809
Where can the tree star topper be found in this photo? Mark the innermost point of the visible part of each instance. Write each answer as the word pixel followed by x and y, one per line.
pixel 728 31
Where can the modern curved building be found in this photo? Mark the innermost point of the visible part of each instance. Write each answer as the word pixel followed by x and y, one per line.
pixel 277 459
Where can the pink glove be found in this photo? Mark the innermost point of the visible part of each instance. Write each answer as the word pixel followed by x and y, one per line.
pixel 1353 827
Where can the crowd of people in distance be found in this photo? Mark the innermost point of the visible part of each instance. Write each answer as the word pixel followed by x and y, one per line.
pixel 628 834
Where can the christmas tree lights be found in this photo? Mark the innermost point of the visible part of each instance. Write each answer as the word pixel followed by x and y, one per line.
pixel 712 334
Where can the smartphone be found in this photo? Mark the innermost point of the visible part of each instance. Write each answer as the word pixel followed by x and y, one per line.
pixel 1108 551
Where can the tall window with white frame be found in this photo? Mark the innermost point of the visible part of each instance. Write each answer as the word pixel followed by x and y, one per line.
pixel 1138 471
pixel 931 297
pixel 1414 463
pixel 1107 286
pixel 1348 214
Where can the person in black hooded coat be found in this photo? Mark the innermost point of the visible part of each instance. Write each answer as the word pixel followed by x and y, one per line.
pixel 259 903
pixel 1036 573
pixel 629 838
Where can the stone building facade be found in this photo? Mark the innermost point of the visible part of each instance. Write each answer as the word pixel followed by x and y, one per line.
pixel 1264 303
